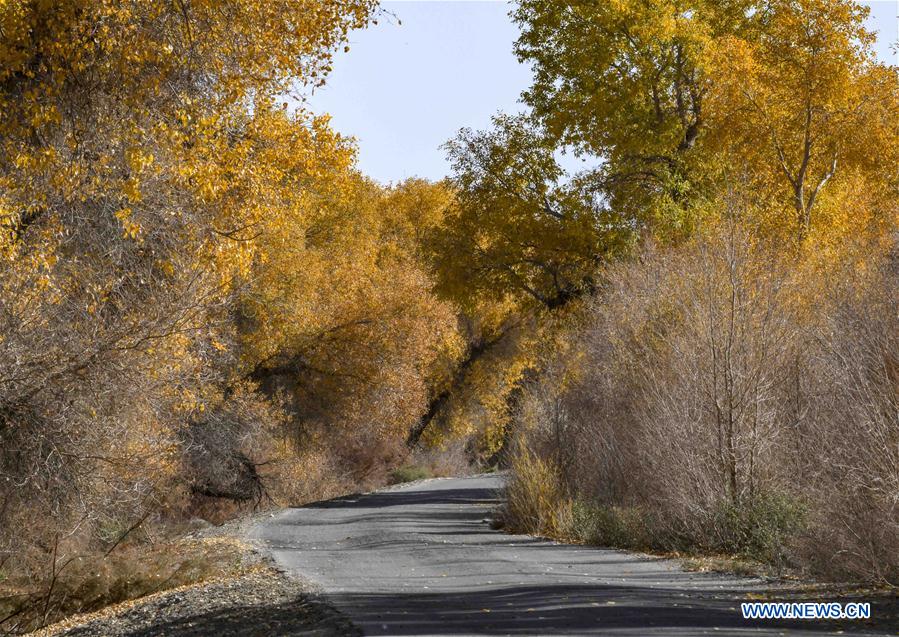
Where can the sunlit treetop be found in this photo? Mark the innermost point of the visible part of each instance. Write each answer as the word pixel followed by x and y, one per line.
pixel 669 93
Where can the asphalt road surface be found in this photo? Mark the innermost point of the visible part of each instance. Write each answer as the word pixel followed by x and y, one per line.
pixel 422 560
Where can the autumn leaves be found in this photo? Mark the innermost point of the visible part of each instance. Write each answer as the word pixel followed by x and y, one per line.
pixel 199 294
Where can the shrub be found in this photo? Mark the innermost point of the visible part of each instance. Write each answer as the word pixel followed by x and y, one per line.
pixel 409 473
pixel 609 526
pixel 536 502
pixel 760 529
pixel 720 397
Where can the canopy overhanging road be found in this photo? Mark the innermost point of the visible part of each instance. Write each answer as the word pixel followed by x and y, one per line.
pixel 422 560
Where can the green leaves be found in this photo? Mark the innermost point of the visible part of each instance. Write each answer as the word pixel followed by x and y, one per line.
pixel 518 228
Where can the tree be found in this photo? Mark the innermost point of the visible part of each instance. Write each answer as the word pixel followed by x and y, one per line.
pixel 355 337
pixel 681 99
pixel 804 108
pixel 139 145
pixel 624 81
pixel 516 228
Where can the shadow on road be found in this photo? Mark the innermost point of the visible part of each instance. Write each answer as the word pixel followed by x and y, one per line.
pixel 556 610
pixel 436 568
pixel 473 496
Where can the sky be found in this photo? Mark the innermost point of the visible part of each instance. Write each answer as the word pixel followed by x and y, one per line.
pixel 409 83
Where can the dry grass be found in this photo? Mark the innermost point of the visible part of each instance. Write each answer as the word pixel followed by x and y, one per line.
pixel 536 502
pixel 88 582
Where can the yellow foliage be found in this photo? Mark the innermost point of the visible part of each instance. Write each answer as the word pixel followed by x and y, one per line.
pixel 144 149
pixel 342 302
pixel 803 118
pixel 782 100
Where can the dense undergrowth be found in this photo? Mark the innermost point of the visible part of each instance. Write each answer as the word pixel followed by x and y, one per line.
pixel 715 400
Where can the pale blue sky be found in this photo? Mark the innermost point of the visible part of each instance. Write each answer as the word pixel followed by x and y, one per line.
pixel 404 89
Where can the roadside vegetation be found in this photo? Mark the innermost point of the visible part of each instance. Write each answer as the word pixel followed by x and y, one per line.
pixel 206 309
pixel 729 385
pixel 717 400
pixel 93 581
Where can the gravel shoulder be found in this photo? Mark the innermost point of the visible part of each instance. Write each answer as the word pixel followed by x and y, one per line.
pixel 263 604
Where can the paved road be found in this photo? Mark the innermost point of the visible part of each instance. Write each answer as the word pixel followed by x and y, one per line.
pixel 421 560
